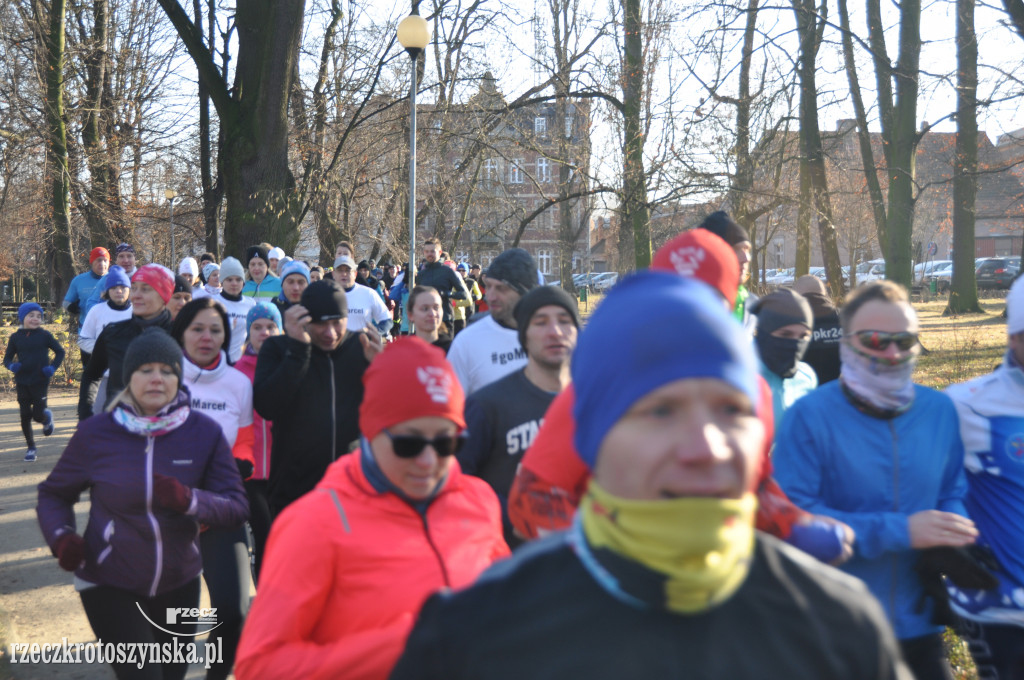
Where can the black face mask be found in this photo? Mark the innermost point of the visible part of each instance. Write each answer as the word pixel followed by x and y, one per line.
pixel 781 355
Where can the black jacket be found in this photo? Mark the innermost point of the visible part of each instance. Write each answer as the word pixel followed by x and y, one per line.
pixel 542 615
pixel 109 353
pixel 448 283
pixel 313 399
pixel 32 350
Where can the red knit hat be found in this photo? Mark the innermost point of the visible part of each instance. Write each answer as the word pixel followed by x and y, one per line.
pixel 98 252
pixel 159 278
pixel 409 379
pixel 700 254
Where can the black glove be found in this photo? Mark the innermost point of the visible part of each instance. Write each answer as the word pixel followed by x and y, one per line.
pixel 75 307
pixel 968 567
pixel 245 468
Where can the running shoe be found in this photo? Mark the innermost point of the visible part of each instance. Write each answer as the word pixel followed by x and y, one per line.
pixel 30 456
pixel 48 425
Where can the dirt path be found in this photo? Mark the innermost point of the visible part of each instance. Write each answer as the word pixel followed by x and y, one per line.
pixel 38 603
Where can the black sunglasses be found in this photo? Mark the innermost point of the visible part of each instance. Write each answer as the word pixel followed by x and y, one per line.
pixel 410 446
pixel 880 340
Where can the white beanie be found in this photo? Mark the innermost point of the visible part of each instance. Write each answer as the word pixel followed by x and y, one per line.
pixel 275 254
pixel 231 267
pixel 189 266
pixel 1015 307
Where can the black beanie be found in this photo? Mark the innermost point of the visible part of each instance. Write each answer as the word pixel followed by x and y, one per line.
pixel 542 296
pixel 720 224
pixel 154 346
pixel 181 285
pixel 515 268
pixel 257 251
pixel 781 308
pixel 325 300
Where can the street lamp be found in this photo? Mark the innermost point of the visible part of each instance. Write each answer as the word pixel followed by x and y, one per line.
pixel 414 35
pixel 170 195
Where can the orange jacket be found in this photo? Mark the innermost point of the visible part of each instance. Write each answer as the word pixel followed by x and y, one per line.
pixel 552 478
pixel 347 569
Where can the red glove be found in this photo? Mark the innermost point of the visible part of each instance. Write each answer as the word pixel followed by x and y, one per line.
pixel 171 494
pixel 69 550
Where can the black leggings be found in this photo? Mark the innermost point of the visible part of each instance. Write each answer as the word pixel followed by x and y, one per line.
pixel 259 519
pixel 32 403
pixel 997 649
pixel 115 618
pixel 926 657
pixel 226 572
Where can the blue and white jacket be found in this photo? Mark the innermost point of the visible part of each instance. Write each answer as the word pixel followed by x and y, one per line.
pixel 834 459
pixel 991 410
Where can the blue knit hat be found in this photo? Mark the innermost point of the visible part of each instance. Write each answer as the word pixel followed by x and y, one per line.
pixel 652 329
pixel 262 310
pixel 116 276
pixel 295 267
pixel 27 307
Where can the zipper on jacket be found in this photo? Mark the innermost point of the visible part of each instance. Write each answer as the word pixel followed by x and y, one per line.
pixel 158 571
pixel 437 553
pixel 895 508
pixel 266 469
pixel 334 413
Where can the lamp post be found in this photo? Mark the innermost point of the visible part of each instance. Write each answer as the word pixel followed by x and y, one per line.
pixel 414 35
pixel 170 195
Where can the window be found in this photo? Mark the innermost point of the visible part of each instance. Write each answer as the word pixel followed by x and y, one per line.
pixel 491 169
pixel 544 261
pixel 543 169
pixel 515 171
pixel 540 125
pixel 461 256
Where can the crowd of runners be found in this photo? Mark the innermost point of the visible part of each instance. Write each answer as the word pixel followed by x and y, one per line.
pixel 461 479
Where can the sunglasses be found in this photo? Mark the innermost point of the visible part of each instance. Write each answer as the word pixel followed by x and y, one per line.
pixel 880 340
pixel 410 446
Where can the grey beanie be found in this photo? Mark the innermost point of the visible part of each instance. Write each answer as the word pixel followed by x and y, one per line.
pixel 515 268
pixel 542 296
pixel 231 267
pixel 154 346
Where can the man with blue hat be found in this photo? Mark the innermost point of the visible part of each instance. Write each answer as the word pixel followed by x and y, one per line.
pixel 662 574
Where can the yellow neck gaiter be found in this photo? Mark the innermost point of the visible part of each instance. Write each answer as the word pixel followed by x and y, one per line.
pixel 701 547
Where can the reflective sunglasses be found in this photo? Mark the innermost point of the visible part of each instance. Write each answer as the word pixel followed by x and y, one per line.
pixel 880 340
pixel 410 446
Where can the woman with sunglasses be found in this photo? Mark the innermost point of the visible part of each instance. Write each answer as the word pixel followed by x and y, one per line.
pixel 884 456
pixel 388 525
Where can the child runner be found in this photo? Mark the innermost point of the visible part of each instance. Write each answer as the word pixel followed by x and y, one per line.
pixel 27 357
pixel 238 305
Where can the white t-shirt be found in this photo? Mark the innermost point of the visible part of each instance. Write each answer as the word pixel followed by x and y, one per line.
pixel 224 394
pixel 100 317
pixel 484 352
pixel 237 313
pixel 364 304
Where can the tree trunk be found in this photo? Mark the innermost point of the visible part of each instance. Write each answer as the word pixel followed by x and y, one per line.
pixel 898 264
pixel 743 182
pixel 963 296
pixel 636 217
pixel 211 192
pixel 57 152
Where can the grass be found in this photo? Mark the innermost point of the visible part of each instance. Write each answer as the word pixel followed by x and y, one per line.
pixel 959 348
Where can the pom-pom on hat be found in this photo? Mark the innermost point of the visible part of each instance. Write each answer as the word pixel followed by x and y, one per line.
pixel 700 254
pixel 429 387
pixel 154 346
pixel 159 278
pixel 231 267
pixel 652 329
pixel 25 308
pixel 262 310
pixel 97 253
pixel 116 276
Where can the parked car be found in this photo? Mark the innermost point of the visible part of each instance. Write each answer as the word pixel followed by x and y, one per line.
pixel 922 270
pixel 941 275
pixel 605 280
pixel 997 272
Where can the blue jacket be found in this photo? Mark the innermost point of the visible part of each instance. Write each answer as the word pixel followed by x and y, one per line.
pixel 267 289
pixel 832 459
pixel 80 290
pixel 785 391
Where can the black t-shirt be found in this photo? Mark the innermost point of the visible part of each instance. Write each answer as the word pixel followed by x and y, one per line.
pixel 502 419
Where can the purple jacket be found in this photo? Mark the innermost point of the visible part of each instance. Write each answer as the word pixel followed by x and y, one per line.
pixel 129 543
